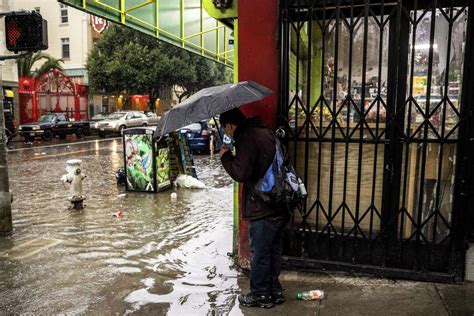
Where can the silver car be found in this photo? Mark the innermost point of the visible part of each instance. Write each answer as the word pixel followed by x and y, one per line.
pixel 118 121
pixel 152 118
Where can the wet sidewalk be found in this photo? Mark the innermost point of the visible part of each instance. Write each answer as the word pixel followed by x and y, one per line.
pixel 368 296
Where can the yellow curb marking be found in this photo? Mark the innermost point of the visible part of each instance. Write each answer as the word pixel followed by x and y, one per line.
pixel 41 244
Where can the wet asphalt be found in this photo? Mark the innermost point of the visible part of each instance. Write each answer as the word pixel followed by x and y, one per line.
pixel 159 257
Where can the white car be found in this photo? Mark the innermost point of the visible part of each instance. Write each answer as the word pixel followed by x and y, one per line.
pixel 118 121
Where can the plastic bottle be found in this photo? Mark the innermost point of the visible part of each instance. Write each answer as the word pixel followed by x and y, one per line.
pixel 310 295
pixel 228 141
pixel 301 188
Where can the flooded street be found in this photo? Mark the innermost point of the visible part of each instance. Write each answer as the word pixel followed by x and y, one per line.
pixel 160 257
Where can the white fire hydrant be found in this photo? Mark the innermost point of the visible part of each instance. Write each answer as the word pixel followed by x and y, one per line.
pixel 74 177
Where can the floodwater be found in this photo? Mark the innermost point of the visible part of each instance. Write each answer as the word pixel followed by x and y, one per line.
pixel 160 257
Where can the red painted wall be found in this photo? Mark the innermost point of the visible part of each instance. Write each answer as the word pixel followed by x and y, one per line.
pixel 258 61
pixel 258 55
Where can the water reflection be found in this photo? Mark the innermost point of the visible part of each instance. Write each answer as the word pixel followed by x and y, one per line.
pixel 161 256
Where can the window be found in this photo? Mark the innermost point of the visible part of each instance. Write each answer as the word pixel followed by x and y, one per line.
pixel 65 48
pixel 61 118
pixel 37 9
pixel 63 12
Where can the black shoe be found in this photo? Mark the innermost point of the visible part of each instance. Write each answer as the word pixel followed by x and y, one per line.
pixel 251 300
pixel 278 298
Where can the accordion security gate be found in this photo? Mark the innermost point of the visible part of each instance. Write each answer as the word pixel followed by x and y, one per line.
pixel 375 101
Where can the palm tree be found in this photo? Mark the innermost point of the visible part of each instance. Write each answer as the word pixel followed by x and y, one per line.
pixel 25 64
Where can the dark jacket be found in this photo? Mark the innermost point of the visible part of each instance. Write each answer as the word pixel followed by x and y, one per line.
pixel 255 150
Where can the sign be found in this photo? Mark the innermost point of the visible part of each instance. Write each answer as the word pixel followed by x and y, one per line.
pixel 25 31
pixel 140 175
pixel 419 85
pixel 99 24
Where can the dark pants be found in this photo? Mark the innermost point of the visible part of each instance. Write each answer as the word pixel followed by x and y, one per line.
pixel 266 246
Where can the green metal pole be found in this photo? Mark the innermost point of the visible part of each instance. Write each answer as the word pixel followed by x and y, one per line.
pixel 122 11
pixel 201 29
pixel 236 184
pixel 218 44
pixel 157 31
pixel 225 47
pixel 316 60
pixel 181 21
pixel 236 50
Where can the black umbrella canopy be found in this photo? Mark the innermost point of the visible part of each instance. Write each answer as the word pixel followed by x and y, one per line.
pixel 209 102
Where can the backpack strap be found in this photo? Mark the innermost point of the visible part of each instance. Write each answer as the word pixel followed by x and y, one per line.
pixel 276 170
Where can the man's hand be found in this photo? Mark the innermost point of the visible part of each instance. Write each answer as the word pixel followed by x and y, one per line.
pixel 224 149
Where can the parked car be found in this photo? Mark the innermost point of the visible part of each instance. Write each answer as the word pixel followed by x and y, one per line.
pixel 199 137
pixel 97 118
pixel 100 117
pixel 53 124
pixel 152 118
pixel 118 121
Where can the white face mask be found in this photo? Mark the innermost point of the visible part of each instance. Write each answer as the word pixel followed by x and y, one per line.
pixel 228 140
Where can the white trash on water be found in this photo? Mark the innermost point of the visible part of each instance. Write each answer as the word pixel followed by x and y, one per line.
pixel 174 196
pixel 188 182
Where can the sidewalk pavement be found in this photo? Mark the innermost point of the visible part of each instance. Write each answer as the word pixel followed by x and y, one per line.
pixel 347 295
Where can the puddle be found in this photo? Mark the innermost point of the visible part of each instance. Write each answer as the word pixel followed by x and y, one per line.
pixel 159 258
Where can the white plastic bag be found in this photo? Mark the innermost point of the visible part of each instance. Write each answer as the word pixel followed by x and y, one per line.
pixel 188 182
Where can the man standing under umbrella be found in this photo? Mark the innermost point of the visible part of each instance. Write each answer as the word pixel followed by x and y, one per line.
pixel 254 153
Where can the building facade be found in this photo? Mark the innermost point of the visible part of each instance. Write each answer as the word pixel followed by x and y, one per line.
pixel 70 34
pixel 375 99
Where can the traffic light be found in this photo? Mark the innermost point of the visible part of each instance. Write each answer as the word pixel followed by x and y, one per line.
pixel 26 32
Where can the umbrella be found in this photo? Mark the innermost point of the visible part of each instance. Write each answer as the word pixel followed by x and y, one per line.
pixel 209 102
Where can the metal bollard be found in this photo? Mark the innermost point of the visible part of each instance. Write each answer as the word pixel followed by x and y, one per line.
pixel 74 177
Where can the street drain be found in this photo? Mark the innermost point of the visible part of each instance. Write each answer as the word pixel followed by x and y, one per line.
pixel 30 248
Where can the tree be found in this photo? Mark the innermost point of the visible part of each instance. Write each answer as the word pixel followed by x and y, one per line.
pixel 25 64
pixel 126 61
pixel 208 73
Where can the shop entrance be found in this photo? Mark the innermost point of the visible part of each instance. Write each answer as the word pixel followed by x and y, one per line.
pixel 375 103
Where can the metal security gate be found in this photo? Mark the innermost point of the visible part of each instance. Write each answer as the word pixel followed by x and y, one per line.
pixel 374 98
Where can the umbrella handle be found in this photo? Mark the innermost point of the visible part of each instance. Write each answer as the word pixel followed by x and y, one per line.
pixel 218 129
